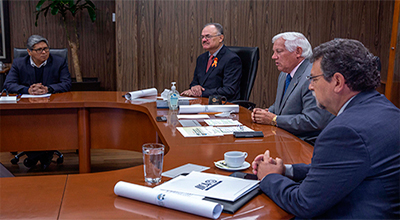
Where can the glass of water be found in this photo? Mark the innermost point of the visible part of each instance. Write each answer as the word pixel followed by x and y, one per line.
pixel 153 157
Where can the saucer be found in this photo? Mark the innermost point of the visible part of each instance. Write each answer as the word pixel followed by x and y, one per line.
pixel 221 164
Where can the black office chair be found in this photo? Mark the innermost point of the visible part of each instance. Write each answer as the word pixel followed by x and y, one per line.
pixel 45 157
pixel 249 57
pixel 4 172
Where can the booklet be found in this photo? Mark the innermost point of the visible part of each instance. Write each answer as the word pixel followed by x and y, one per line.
pixel 222 122
pixel 210 185
pixel 208 131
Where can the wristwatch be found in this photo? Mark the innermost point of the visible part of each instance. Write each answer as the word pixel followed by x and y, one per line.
pixel 273 122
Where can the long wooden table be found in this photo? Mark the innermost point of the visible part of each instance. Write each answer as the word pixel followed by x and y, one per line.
pixel 85 120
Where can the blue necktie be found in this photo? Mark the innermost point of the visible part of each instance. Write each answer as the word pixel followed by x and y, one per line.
pixel 288 79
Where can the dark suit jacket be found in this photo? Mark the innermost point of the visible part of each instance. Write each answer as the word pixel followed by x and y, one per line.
pixel 22 75
pixel 355 169
pixel 297 111
pixel 224 79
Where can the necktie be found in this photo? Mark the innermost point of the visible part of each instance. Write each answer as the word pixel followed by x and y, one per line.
pixel 288 79
pixel 209 62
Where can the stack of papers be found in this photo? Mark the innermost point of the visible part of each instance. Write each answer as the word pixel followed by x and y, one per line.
pixel 207 131
pixel 222 122
pixel 210 185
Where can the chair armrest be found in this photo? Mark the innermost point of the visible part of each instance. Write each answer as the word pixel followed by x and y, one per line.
pixel 244 103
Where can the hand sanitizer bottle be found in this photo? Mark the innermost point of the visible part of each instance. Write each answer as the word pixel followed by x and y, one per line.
pixel 173 97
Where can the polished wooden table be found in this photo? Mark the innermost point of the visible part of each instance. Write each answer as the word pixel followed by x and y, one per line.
pixel 85 120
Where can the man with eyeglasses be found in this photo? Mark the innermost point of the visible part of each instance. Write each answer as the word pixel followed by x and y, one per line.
pixel 219 70
pixel 39 72
pixel 355 168
pixel 294 109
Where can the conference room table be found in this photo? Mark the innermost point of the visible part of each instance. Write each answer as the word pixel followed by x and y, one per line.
pixel 106 120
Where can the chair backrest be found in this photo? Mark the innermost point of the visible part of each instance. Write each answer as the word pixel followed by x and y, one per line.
pixel 4 172
pixel 249 57
pixel 21 52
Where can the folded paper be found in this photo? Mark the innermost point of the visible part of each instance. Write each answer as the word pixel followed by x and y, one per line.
pixel 169 200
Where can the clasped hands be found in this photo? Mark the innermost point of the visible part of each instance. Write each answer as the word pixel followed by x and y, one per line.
pixel 38 89
pixel 263 165
pixel 262 116
pixel 194 91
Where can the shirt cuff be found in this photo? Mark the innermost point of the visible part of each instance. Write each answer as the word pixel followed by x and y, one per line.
pixel 289 171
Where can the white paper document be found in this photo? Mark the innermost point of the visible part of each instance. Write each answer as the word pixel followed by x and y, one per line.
pixel 210 185
pixel 191 205
pixel 35 96
pixel 207 131
pixel 193 116
pixel 190 109
pixel 141 93
pixel 185 169
pixel 222 122
pixel 231 129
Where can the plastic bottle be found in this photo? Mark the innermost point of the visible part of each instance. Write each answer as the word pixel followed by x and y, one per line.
pixel 173 97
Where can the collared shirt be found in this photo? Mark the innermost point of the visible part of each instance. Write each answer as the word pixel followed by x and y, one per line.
pixel 33 64
pixel 216 52
pixel 295 69
pixel 344 106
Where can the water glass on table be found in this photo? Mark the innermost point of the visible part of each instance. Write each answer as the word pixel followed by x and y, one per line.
pixel 153 157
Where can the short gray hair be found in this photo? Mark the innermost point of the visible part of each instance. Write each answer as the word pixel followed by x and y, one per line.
pixel 219 27
pixel 34 39
pixel 359 67
pixel 294 40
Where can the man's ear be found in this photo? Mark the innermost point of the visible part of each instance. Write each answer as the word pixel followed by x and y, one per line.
pixel 221 39
pixel 339 81
pixel 299 51
pixel 29 52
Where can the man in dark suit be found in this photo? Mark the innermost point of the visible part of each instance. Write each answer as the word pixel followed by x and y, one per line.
pixel 355 169
pixel 294 109
pixel 39 72
pixel 219 70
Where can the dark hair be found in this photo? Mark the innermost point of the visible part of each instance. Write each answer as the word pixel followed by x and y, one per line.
pixel 352 59
pixel 219 27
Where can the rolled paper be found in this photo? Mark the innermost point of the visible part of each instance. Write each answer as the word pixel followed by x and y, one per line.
pixel 192 109
pixel 168 200
pixel 141 93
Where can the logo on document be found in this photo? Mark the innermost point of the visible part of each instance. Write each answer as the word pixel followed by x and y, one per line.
pixel 160 199
pixel 208 184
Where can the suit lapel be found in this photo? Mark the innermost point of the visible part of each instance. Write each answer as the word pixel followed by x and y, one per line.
pixel 293 84
pixel 46 69
pixel 219 56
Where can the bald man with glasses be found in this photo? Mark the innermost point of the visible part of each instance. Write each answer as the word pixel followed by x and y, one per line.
pixel 219 70
pixel 39 72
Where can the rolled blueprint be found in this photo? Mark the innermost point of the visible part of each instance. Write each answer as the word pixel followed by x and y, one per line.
pixel 168 200
pixel 192 109
pixel 141 93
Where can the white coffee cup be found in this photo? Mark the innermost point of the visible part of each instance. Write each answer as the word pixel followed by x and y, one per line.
pixel 235 158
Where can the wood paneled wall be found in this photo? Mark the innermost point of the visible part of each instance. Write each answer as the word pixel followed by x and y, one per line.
pixel 97 40
pixel 157 40
pixel 154 42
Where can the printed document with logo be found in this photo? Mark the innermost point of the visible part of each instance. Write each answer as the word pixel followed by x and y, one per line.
pixel 210 185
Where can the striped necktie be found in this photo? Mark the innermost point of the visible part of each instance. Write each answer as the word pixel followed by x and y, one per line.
pixel 209 62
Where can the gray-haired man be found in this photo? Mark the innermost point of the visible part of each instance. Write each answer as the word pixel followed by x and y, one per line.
pixel 39 72
pixel 295 109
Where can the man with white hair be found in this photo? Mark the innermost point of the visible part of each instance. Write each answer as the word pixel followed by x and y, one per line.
pixel 295 108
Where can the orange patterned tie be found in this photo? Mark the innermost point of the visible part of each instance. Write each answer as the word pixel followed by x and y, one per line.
pixel 209 62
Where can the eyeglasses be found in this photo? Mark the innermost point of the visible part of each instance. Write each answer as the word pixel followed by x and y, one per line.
pixel 40 50
pixel 311 78
pixel 208 37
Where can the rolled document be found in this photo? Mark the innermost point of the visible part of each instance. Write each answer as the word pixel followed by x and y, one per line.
pixel 141 93
pixel 169 200
pixel 191 109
